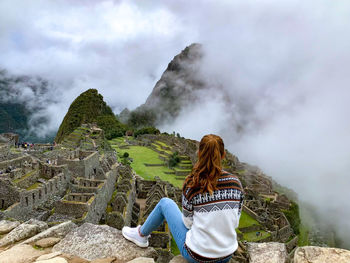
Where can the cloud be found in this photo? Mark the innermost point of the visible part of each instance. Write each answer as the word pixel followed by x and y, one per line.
pixel 282 71
pixel 118 47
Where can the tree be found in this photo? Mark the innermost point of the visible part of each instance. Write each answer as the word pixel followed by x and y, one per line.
pixel 174 159
pixel 147 130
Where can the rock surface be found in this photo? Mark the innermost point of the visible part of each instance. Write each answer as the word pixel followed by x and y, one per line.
pixel 267 252
pixel 321 254
pixel 178 259
pixel 95 241
pixel 47 242
pixel 104 260
pixel 20 254
pixel 7 226
pixel 53 260
pixel 23 231
pixel 49 256
pixel 142 260
pixel 58 231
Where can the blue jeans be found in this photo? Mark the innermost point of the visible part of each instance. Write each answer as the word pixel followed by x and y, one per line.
pixel 168 210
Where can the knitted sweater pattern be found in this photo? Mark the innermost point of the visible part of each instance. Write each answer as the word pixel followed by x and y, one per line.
pixel 212 219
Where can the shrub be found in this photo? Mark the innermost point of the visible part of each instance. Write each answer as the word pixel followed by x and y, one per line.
pixel 146 130
pixel 125 161
pixel 174 159
pixel 111 126
pixel 293 217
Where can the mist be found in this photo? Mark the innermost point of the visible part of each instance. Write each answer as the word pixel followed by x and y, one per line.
pixel 276 76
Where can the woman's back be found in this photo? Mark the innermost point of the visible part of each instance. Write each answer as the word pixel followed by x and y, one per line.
pixel 212 218
pixel 211 201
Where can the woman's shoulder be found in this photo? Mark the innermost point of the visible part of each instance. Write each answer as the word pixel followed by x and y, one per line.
pixel 229 179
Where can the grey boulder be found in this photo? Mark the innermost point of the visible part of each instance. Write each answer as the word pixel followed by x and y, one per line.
pixel 271 252
pixel 91 242
pixel 321 254
pixel 23 231
pixel 7 226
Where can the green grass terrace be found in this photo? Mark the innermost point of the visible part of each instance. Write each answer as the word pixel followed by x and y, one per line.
pixel 142 155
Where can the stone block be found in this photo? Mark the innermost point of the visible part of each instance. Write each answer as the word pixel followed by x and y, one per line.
pixel 20 254
pixel 47 242
pixel 321 254
pixel 115 219
pixel 267 252
pixel 100 241
pixel 142 260
pixel 7 226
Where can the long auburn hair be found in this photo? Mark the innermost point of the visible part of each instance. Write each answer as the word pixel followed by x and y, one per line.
pixel 206 171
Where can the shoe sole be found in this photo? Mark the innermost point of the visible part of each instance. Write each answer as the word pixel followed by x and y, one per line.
pixel 135 241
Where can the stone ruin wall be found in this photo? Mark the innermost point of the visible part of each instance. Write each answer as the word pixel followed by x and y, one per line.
pixel 88 197
pixel 184 147
pixel 29 200
pixel 123 201
pixel 85 165
pixel 88 207
pixel 126 209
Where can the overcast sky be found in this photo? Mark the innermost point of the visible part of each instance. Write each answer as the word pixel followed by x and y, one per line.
pixel 284 65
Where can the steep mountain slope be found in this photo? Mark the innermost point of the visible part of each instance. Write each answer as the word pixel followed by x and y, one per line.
pixel 175 89
pixel 89 107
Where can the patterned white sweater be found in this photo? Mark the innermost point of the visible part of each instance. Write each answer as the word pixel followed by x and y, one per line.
pixel 212 219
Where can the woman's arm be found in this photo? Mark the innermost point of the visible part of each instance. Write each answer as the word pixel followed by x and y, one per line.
pixel 187 212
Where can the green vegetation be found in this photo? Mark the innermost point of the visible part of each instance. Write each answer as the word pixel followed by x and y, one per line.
pixel 142 155
pixel 111 126
pixel 252 237
pixel 125 158
pixel 303 236
pixel 293 217
pixel 174 160
pixel 147 130
pixel 34 186
pixel 159 148
pixel 83 138
pixel 25 176
pixel 37 247
pixel 246 220
pixel 89 107
pixel 141 117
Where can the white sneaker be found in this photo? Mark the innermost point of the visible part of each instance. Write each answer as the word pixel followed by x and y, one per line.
pixel 132 234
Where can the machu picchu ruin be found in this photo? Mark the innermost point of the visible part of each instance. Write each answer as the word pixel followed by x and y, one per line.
pixel 87 179
pixel 233 112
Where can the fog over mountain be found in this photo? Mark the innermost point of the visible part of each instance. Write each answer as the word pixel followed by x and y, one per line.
pixel 275 76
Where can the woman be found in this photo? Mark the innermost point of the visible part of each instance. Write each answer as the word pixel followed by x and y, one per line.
pixel 211 208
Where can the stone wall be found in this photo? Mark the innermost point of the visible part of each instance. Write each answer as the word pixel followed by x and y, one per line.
pixel 9 193
pixel 98 204
pixel 86 167
pixel 49 171
pixel 28 179
pixel 250 212
pixel 284 233
pixel 292 244
pixel 88 206
pixel 124 199
pixel 15 163
pixel 29 200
